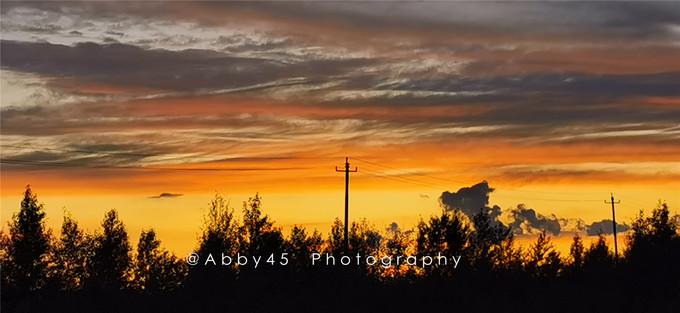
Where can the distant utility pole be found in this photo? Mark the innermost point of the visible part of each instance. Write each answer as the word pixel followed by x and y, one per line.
pixel 347 171
pixel 616 248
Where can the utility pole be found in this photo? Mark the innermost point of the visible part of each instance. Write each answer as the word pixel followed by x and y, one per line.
pixel 347 171
pixel 616 248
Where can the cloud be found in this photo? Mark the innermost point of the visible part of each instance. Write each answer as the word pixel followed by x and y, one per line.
pixel 188 81
pixel 180 71
pixel 167 195
pixel 527 221
pixel 605 227
pixel 393 227
pixel 471 201
pixel 424 196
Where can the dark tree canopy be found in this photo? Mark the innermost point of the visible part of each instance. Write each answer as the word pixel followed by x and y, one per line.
pixel 28 244
pixel 156 269
pixel 111 254
pixel 78 271
pixel 447 234
pixel 72 253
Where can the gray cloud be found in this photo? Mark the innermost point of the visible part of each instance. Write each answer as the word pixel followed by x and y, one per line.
pixel 471 201
pixel 605 227
pixel 637 20
pixel 533 73
pixel 393 227
pixel 529 221
pixel 525 221
pixel 187 70
pixel 167 195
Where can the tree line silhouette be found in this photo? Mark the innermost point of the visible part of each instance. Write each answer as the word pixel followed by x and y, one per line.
pixel 100 271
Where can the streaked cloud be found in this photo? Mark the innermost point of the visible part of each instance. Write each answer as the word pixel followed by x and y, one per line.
pixel 489 89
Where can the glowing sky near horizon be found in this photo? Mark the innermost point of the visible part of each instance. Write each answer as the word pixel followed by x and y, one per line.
pixel 108 104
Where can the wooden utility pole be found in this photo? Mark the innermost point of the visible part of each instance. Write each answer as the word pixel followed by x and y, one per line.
pixel 347 171
pixel 616 248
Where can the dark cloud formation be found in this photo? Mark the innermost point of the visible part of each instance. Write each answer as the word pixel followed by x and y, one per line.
pixel 524 74
pixel 525 221
pixel 637 20
pixel 393 227
pixel 529 221
pixel 471 201
pixel 167 195
pixel 187 70
pixel 605 227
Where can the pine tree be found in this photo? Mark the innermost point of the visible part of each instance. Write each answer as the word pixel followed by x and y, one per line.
pixel 28 244
pixel 71 256
pixel 576 252
pixel 156 269
pixel 111 259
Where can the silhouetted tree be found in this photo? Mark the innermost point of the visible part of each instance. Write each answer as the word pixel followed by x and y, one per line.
pixel 543 260
pixel 302 246
pixel 71 256
pixel 646 280
pixel 364 239
pixel 5 265
pixel 111 258
pixel 399 245
pixel 576 253
pixel 336 238
pixel 657 236
pixel 485 241
pixel 156 269
pixel 653 252
pixel 507 257
pixel 447 234
pixel 260 239
pixel 220 230
pixel 220 237
pixel 598 256
pixel 259 235
pixel 28 245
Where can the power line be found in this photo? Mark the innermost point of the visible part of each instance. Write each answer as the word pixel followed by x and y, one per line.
pixel 411 180
pixel 399 179
pixel 504 189
pixel 437 187
pixel 552 199
pixel 401 176
pixel 408 172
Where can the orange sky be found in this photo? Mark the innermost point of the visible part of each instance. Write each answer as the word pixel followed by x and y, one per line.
pixel 112 104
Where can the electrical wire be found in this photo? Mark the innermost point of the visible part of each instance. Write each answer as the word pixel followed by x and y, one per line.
pixel 413 181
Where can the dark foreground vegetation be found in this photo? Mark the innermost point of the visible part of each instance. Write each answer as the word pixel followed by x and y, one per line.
pixel 80 272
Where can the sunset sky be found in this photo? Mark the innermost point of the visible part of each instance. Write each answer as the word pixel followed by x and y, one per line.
pixel 151 108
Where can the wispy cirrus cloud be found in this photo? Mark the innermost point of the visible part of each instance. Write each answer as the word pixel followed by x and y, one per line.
pixel 180 83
